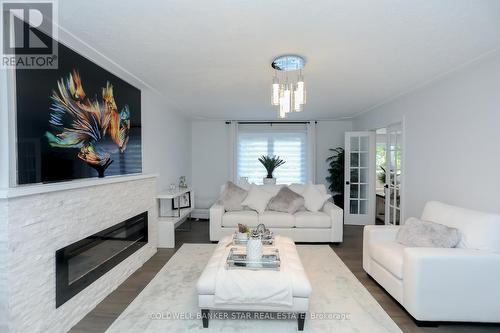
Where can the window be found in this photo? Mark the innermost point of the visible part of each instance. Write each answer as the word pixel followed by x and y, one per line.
pixel 286 141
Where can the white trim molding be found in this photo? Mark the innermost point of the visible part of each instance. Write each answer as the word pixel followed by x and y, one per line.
pixel 21 191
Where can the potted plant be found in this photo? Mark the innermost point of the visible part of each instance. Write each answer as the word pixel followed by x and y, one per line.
pixel 382 176
pixel 270 163
pixel 336 177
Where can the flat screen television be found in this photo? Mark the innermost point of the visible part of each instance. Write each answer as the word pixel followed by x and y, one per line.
pixel 77 121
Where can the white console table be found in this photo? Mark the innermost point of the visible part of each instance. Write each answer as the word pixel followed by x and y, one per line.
pixel 170 217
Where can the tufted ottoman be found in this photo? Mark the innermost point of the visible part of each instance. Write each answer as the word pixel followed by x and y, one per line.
pixel 291 275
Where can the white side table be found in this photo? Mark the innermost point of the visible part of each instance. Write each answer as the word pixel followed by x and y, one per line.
pixel 172 211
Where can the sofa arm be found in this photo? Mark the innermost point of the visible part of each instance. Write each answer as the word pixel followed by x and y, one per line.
pixel 216 212
pixel 442 284
pixel 376 233
pixel 380 233
pixel 336 215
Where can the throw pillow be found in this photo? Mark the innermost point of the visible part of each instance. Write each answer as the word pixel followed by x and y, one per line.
pixel 232 197
pixel 286 201
pixel 417 233
pixel 297 188
pixel 314 199
pixel 257 199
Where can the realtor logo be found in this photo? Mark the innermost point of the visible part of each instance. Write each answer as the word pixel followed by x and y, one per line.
pixel 29 35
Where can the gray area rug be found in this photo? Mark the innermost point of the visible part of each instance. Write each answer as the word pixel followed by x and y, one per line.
pixel 339 302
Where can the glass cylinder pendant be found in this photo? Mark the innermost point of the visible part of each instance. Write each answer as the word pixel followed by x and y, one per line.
pixel 275 99
pixel 297 105
pixel 285 100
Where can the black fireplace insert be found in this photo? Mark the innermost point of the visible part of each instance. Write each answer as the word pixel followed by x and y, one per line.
pixel 83 262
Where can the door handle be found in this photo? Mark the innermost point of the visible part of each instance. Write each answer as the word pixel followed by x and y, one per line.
pixel 347 183
pixel 386 186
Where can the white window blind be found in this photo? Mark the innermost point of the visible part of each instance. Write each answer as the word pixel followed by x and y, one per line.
pixel 288 141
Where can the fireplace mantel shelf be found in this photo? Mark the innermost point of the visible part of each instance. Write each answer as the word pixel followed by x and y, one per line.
pixel 27 190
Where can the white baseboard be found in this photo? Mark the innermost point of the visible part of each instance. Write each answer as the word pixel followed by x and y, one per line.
pixel 200 213
pixel 347 223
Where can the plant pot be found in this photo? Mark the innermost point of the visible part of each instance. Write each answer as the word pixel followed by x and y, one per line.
pixel 338 200
pixel 268 181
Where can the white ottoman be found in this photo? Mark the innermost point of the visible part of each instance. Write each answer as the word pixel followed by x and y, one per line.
pixel 300 286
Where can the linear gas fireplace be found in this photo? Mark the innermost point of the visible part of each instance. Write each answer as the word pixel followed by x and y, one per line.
pixel 83 262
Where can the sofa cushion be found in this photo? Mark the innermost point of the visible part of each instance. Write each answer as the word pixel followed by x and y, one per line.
pixel 300 188
pixel 479 230
pixel 419 233
pixel 271 188
pixel 273 219
pixel 232 197
pixel 286 201
pixel 312 220
pixel 258 198
pixel 389 254
pixel 314 198
pixel 248 217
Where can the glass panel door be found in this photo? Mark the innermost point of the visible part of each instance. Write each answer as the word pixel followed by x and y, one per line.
pixel 393 175
pixel 359 200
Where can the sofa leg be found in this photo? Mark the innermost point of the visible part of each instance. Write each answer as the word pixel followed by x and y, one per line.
pixel 204 317
pixel 300 321
pixel 336 243
pixel 425 323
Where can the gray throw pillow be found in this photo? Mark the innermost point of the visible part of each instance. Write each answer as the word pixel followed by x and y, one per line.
pixel 286 201
pixel 417 233
pixel 232 197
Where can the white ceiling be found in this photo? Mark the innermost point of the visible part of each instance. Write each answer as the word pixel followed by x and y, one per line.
pixel 211 59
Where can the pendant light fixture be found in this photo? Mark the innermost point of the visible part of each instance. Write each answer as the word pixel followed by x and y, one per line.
pixel 288 89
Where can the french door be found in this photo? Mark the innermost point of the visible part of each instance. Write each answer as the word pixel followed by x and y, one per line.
pixel 359 193
pixel 393 175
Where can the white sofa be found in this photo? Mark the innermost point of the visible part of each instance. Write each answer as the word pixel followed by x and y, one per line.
pixel 325 226
pixel 441 284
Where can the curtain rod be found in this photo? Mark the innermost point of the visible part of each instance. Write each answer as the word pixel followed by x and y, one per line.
pixel 271 122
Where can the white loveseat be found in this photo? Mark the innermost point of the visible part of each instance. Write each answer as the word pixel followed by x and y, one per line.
pixel 324 226
pixel 441 284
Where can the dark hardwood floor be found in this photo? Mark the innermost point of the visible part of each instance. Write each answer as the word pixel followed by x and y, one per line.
pixel 350 251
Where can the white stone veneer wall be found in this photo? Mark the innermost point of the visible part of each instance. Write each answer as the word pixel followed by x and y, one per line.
pixel 40 224
pixel 3 264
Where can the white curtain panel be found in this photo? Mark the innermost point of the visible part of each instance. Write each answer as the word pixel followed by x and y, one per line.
pixel 233 142
pixel 311 151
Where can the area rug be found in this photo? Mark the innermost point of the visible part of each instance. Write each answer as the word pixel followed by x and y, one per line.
pixel 339 302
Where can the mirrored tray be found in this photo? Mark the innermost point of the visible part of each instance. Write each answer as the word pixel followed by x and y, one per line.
pixel 237 259
pixel 268 240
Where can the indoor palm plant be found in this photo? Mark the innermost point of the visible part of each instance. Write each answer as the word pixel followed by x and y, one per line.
pixel 336 177
pixel 270 163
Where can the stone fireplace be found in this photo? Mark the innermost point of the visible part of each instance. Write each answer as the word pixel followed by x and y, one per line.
pixel 104 229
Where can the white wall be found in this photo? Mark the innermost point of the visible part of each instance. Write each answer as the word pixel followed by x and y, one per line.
pixel 211 153
pixel 452 143
pixel 166 141
pixel 329 134
pixel 166 137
